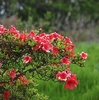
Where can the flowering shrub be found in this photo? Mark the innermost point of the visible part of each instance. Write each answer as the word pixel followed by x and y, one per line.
pixel 25 57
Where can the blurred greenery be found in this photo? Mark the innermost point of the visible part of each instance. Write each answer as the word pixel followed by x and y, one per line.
pixel 50 8
pixel 88 77
pixel 78 18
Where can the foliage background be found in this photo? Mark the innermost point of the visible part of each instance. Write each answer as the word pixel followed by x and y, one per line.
pixel 79 19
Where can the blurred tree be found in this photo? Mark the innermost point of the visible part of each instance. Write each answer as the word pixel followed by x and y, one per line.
pixel 59 13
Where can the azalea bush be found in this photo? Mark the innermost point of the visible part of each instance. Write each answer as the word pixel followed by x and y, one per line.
pixel 27 57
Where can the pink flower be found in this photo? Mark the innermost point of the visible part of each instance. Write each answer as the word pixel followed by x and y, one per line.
pixel 67 40
pixel 12 73
pixel 42 43
pixel 62 76
pixel 31 35
pixel 39 39
pixel 69 78
pixel 83 55
pixel 65 60
pixel 38 46
pixel 55 36
pixel 71 82
pixel 70 47
pixel 46 46
pixel 2 29
pixel 27 59
pixel 6 95
pixel 13 30
pixel 23 37
pixel 43 36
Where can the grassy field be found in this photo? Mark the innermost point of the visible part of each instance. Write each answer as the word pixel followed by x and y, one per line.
pixel 88 88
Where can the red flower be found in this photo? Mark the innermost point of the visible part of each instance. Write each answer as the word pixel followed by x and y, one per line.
pixel 70 47
pixel 12 74
pixel 2 29
pixel 6 95
pixel 38 46
pixel 44 36
pixel 31 35
pixel 42 43
pixel 14 31
pixel 24 80
pixel 55 50
pixel 65 60
pixel 62 76
pixel 71 82
pixel 67 40
pixel 38 39
pixel 27 59
pixel 23 37
pixel 84 55
pixel 55 36
pixel 46 46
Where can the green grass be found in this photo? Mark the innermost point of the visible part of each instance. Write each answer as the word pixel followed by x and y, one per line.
pixel 88 88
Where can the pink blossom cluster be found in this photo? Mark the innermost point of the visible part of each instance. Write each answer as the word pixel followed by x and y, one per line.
pixel 3 30
pixel 43 42
pixel 13 74
pixel 69 78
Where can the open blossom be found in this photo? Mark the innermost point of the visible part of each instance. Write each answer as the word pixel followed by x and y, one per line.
pixel 6 95
pixel 62 76
pixel 55 36
pixel 67 40
pixel 69 78
pixel 65 60
pixel 31 35
pixel 71 82
pixel 42 43
pixel 70 49
pixel 38 46
pixel 55 50
pixel 3 30
pixel 27 59
pixel 83 55
pixel 46 46
pixel 23 37
pixel 12 73
pixel 13 30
